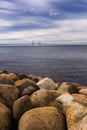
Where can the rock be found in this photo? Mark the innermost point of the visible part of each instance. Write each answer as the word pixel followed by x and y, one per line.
pixel 20 106
pixel 6 80
pixel 83 91
pixel 76 113
pixel 35 78
pixel 72 83
pixel 44 118
pixel 80 98
pixel 22 76
pixel 57 85
pixel 47 83
pixel 82 87
pixel 66 87
pixel 64 101
pixel 20 82
pixel 54 93
pixel 23 86
pixel 8 94
pixel 28 91
pixel 3 75
pixel 76 116
pixel 3 72
pixel 5 117
pixel 13 76
pixel 43 97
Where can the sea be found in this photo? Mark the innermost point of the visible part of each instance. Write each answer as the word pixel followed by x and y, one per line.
pixel 64 63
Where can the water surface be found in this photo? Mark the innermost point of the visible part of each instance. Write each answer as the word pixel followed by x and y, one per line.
pixel 63 63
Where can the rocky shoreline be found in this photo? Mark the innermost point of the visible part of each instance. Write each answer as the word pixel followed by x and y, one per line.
pixel 29 102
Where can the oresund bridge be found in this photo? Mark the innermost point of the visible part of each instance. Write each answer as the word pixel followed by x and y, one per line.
pixel 21 44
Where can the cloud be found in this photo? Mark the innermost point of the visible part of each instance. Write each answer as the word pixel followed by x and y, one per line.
pixel 75 29
pixel 6 4
pixel 45 20
pixel 54 12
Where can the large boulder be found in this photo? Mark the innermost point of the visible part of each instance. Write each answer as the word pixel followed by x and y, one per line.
pixel 47 83
pixel 67 87
pixel 43 97
pixel 44 118
pixel 5 117
pixel 76 113
pixel 76 116
pixel 8 94
pixel 20 106
pixel 64 101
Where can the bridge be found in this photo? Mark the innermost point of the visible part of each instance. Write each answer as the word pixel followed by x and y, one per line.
pixel 20 43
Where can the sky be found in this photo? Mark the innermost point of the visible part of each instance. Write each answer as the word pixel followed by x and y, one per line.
pixel 49 21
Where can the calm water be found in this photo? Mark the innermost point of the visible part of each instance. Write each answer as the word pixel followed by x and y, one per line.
pixel 63 63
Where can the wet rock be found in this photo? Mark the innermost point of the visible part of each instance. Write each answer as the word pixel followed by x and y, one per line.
pixel 5 117
pixel 8 94
pixel 44 118
pixel 66 87
pixel 20 106
pixel 47 83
